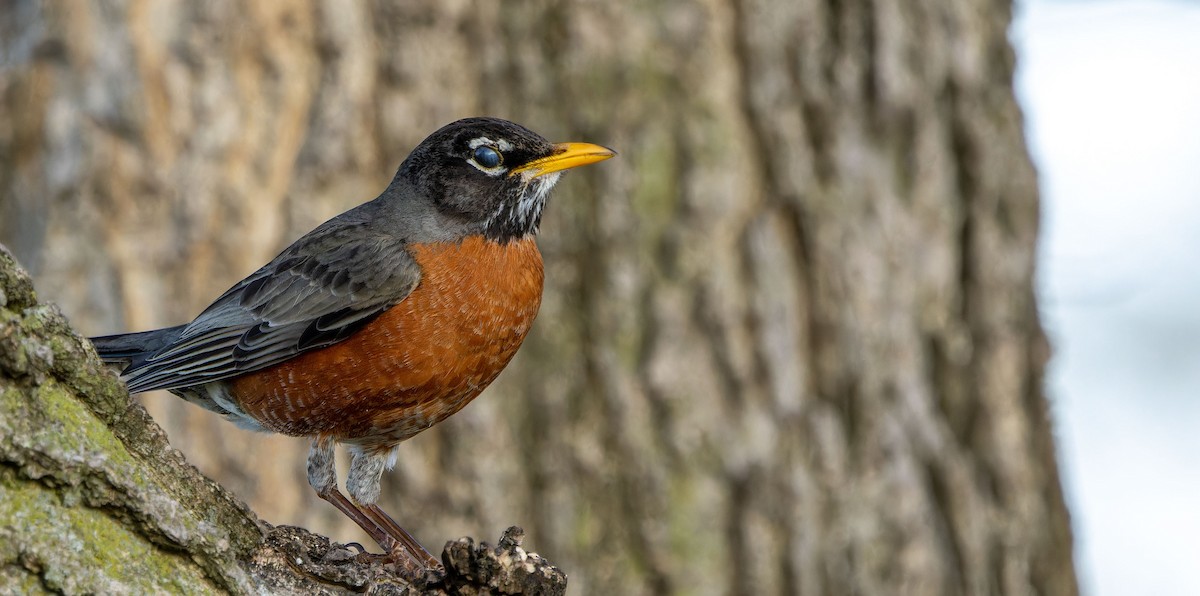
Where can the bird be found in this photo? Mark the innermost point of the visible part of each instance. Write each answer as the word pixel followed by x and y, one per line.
pixel 380 322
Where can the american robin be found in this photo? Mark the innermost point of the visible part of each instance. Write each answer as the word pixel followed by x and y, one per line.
pixel 382 321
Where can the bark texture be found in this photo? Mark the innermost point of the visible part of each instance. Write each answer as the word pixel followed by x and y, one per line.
pixel 789 342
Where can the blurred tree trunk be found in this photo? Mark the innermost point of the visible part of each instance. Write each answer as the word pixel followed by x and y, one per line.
pixel 789 342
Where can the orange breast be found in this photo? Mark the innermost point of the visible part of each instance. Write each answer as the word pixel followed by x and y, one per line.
pixel 419 362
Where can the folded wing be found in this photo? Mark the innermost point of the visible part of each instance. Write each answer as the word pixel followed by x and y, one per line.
pixel 316 293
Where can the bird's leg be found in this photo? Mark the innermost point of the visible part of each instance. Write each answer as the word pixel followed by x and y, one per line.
pixel 383 519
pixel 363 485
pixel 322 476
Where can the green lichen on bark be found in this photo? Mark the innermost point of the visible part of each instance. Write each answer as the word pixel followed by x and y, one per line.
pixel 93 497
pixel 80 549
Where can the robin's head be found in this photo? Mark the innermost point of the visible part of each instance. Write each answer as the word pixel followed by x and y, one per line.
pixel 492 175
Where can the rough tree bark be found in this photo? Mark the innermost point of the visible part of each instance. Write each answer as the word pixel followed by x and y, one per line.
pixel 789 342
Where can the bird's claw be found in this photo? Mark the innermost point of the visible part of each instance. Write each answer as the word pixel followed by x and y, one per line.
pixel 407 564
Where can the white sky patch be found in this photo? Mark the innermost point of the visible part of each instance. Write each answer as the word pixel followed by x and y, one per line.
pixel 1111 92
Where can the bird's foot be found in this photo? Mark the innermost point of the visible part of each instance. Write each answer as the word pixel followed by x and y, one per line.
pixel 406 564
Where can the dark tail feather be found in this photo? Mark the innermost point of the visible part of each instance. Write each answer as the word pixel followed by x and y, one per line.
pixel 128 349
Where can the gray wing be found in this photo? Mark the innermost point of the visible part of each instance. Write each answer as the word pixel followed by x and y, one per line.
pixel 316 293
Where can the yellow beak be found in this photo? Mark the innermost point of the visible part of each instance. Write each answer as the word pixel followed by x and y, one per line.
pixel 565 156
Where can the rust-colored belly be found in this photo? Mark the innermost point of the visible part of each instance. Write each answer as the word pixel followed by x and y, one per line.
pixel 414 365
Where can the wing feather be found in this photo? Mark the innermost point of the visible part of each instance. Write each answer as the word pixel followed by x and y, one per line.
pixel 316 293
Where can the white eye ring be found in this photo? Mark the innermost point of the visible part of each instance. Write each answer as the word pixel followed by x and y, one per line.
pixel 481 158
pixel 501 144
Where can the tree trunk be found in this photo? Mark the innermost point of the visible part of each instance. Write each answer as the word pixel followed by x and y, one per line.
pixel 789 342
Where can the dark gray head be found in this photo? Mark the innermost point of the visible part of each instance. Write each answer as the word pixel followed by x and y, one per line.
pixel 491 176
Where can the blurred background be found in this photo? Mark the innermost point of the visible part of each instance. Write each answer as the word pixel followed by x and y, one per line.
pixel 788 342
pixel 1111 93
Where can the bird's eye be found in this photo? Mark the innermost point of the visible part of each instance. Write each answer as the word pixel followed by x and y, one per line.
pixel 487 157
